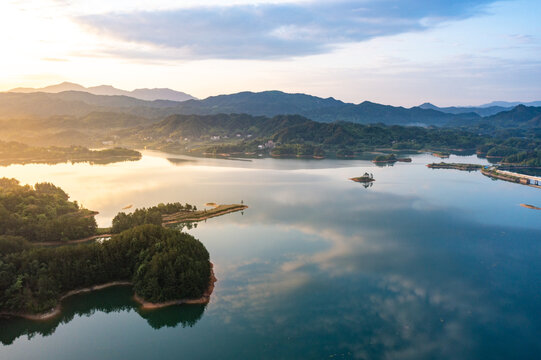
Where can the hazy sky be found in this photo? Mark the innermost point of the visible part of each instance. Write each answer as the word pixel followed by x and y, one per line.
pixel 399 52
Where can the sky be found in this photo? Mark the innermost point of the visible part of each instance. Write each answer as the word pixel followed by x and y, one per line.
pixel 397 52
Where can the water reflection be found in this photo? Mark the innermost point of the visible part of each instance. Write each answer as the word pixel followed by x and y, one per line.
pixel 396 294
pixel 385 275
pixel 181 161
pixel 427 264
pixel 111 300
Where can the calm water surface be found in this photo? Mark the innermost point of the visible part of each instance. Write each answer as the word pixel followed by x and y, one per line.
pixel 423 264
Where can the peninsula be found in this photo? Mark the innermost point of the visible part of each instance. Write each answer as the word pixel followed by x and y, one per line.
pixel 456 166
pixel 201 215
pixel 496 173
pixel 164 266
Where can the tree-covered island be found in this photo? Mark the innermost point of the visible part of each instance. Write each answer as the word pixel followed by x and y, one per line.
pixel 163 265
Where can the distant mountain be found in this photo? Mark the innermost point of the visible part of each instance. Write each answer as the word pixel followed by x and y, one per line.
pixel 271 103
pixel 482 111
pixel 511 104
pixel 65 86
pixel 142 94
pixel 77 103
pixel 267 103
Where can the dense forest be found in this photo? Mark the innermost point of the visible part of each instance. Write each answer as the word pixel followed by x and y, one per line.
pixel 18 153
pixel 241 133
pixel 42 213
pixel 294 135
pixel 162 264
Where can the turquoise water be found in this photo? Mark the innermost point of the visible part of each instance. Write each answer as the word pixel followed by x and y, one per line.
pixel 423 264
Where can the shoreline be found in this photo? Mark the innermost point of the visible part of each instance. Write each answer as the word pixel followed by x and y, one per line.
pixel 57 310
pixel 512 177
pixel 144 305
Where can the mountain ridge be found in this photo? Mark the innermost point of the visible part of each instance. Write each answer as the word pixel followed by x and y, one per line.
pixel 267 103
pixel 148 94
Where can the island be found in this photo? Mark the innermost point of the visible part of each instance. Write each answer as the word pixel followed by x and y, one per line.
pixel 389 159
pixel 456 166
pixel 18 153
pixel 163 266
pixel 441 154
pixel 366 178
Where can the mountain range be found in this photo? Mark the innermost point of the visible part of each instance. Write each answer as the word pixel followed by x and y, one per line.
pixel 80 104
pixel 482 110
pixel 267 103
pixel 142 94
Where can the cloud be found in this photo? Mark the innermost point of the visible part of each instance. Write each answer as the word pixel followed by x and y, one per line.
pixel 267 31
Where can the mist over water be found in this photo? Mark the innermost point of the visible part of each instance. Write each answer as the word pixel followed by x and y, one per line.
pixel 423 264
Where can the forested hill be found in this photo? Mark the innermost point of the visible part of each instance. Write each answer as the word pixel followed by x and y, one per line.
pixel 42 213
pixel 206 126
pixel 243 134
pixel 519 117
pixel 293 129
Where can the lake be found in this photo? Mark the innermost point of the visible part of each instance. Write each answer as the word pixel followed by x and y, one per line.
pixel 423 264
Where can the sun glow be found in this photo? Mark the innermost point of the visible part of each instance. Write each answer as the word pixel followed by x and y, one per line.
pixel 45 42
